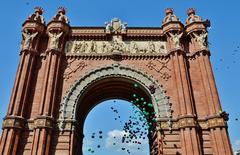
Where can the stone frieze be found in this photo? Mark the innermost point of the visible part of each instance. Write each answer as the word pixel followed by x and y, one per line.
pixel 108 47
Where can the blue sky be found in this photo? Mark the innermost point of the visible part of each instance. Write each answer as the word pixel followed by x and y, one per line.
pixel 223 36
pixel 112 129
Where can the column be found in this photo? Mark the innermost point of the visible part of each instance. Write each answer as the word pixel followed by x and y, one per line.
pixel 57 30
pixel 189 136
pixel 14 122
pixel 216 119
pixel 173 30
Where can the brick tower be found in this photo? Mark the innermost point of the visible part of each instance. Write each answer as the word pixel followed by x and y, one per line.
pixel 64 71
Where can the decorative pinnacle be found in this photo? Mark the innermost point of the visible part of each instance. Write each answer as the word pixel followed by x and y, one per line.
pixel 39 10
pixel 169 11
pixel 191 11
pixel 62 9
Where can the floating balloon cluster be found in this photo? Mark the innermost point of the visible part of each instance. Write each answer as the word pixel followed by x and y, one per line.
pixel 93 136
pixel 136 128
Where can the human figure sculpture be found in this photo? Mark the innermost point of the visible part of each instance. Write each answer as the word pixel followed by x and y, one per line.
pixel 92 46
pixel 37 16
pixel 201 39
pixel 176 39
pixel 28 38
pixel 118 44
pixel 54 40
pixel 151 47
pixel 134 47
pixel 103 47
pixel 84 47
pixel 60 16
pixel 77 47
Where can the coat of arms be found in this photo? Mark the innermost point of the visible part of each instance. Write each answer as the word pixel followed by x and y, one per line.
pixel 115 26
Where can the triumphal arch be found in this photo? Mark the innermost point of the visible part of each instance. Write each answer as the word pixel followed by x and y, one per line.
pixel 64 71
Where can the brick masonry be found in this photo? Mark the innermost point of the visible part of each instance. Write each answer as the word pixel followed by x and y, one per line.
pixel 48 72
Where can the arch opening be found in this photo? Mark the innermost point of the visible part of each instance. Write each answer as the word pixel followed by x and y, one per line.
pixel 111 82
pixel 115 88
pixel 115 127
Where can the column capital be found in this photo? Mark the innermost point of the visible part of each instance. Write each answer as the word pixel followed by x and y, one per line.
pixel 14 122
pixel 43 122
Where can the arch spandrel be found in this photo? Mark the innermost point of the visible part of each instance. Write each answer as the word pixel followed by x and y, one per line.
pixel 160 101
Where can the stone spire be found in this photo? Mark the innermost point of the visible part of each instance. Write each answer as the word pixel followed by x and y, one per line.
pixel 169 16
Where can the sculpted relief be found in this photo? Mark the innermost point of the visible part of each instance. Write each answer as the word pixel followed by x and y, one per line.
pixel 117 45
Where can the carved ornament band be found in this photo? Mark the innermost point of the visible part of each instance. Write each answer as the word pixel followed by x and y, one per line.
pixel 43 122
pixel 69 125
pixel 13 122
pixel 191 122
pixel 106 47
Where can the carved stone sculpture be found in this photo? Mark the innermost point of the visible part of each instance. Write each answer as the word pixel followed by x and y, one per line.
pixel 84 47
pixel 192 17
pixel 170 16
pixel 60 16
pixel 133 47
pixel 54 39
pixel 151 47
pixel 37 16
pixel 28 39
pixel 92 47
pixel 176 39
pixel 115 26
pixel 201 39
pixel 118 44
pixel 103 47
pixel 77 47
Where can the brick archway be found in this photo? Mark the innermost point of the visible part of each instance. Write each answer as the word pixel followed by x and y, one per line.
pixel 113 81
pixel 56 54
pixel 158 98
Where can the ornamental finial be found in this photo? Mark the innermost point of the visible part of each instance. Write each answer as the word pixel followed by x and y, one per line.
pixel 37 16
pixel 170 16
pixel 39 10
pixel 169 11
pixel 191 11
pixel 62 9
pixel 192 17
pixel 60 16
